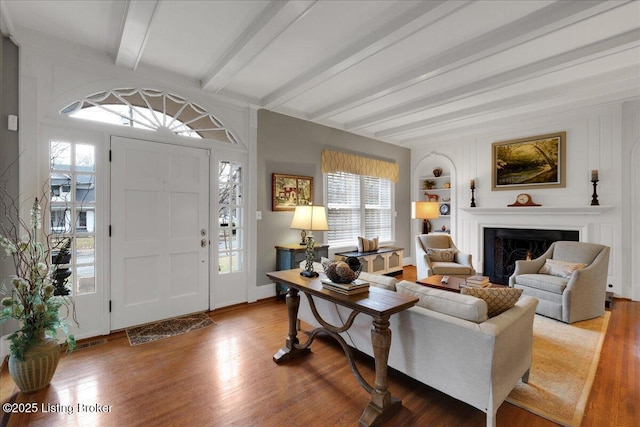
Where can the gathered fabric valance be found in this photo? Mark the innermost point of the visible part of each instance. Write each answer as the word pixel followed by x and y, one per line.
pixel 335 161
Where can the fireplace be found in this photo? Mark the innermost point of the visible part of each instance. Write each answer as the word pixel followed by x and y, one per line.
pixel 504 246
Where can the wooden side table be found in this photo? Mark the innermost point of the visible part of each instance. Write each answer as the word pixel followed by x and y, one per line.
pixel 378 303
pixel 290 256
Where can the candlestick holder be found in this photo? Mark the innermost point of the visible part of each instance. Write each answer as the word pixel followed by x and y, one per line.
pixel 473 200
pixel 594 196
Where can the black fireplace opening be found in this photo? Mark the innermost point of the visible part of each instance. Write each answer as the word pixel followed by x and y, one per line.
pixel 504 246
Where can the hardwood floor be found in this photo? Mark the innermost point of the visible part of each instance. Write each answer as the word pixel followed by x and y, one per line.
pixel 223 375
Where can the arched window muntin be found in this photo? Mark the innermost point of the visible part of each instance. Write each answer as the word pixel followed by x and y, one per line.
pixel 150 109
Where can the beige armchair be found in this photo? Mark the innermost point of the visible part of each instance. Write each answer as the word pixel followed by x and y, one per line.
pixel 566 292
pixel 429 265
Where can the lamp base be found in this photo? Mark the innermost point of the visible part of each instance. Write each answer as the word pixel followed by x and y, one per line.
pixel 306 273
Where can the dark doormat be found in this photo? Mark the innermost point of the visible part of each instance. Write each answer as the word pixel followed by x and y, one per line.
pixel 167 328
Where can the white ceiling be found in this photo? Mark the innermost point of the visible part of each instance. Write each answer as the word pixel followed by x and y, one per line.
pixel 399 71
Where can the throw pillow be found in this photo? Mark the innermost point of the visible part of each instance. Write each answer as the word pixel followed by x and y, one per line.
pixel 559 268
pixel 367 245
pixel 441 255
pixel 498 299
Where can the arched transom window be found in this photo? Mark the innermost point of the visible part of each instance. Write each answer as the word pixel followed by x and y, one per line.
pixel 150 109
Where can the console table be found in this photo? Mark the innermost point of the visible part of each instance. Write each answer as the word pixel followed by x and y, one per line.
pixel 378 303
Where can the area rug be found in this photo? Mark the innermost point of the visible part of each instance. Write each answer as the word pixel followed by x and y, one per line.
pixel 564 362
pixel 167 328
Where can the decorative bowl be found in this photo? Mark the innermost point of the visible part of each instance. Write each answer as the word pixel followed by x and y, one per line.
pixel 331 272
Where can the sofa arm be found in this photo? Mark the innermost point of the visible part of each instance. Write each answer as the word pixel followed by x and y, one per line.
pixel 526 267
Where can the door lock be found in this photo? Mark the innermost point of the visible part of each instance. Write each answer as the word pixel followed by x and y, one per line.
pixel 203 243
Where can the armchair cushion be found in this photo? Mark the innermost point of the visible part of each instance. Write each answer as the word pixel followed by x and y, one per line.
pixel 451 268
pixel 559 268
pixel 446 255
pixel 498 300
pixel 544 282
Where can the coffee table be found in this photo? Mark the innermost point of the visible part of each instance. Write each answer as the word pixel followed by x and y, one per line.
pixel 453 285
pixel 378 303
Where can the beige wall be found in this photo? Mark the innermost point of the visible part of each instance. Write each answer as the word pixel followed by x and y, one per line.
pixel 292 146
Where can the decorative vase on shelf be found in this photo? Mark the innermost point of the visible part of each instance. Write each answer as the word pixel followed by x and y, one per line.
pixel 437 172
pixel 39 364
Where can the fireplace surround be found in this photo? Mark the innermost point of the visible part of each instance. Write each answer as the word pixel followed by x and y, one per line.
pixel 504 246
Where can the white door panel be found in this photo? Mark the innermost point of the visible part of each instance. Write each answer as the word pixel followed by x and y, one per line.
pixel 159 217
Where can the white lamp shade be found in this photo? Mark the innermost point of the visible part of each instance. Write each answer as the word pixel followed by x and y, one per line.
pixel 313 218
pixel 425 210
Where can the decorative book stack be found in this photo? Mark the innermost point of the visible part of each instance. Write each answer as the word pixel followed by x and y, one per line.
pixel 477 281
pixel 356 287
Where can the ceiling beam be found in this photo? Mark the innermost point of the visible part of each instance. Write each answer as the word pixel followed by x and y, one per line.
pixel 389 33
pixel 275 19
pixel 526 72
pixel 136 25
pixel 544 21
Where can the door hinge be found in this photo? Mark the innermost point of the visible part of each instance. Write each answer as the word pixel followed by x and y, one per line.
pixel 109 230
pixel 109 306
pixel 109 155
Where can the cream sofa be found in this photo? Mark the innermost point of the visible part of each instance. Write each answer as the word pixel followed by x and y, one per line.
pixel 447 342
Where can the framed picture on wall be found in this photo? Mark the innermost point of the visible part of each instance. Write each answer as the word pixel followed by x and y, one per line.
pixel 533 162
pixel 289 191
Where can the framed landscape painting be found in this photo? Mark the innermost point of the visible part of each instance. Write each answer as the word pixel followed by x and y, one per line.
pixel 289 191
pixel 537 161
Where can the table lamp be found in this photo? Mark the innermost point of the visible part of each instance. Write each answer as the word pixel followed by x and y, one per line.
pixel 425 211
pixel 309 218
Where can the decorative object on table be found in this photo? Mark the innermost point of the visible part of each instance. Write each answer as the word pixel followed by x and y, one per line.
pixel 594 180
pixel 437 172
pixel 473 189
pixel 537 161
pixel 431 197
pixel 343 271
pixel 30 298
pixel 289 191
pixel 311 218
pixel 444 209
pixel 425 211
pixel 523 199
pixel 429 184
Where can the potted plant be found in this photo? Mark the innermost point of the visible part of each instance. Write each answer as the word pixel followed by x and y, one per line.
pixel 30 298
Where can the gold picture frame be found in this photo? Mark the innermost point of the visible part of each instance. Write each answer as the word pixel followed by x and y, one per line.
pixel 533 162
pixel 289 191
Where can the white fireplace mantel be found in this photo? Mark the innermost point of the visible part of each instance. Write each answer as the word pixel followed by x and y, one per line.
pixel 533 210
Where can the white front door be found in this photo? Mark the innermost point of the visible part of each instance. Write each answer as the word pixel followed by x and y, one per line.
pixel 159 231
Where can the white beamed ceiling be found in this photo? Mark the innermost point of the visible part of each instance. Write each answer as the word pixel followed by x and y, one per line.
pixel 398 71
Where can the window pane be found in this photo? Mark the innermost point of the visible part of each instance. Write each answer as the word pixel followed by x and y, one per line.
pixel 60 219
pixel 86 279
pixel 85 158
pixel 60 155
pixel 85 250
pixel 85 188
pixel 60 187
pixel 224 265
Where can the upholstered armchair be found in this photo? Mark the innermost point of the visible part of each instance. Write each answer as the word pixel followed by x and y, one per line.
pixel 569 280
pixel 437 254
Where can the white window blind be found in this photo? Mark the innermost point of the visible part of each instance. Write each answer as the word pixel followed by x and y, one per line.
pixel 358 206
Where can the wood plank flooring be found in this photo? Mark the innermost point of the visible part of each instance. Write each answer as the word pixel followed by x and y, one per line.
pixel 223 375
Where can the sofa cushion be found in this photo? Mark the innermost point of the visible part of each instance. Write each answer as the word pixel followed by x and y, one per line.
pixel 461 306
pixel 367 245
pixel 498 300
pixel 451 268
pixel 379 280
pixel 441 255
pixel 543 282
pixel 560 268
